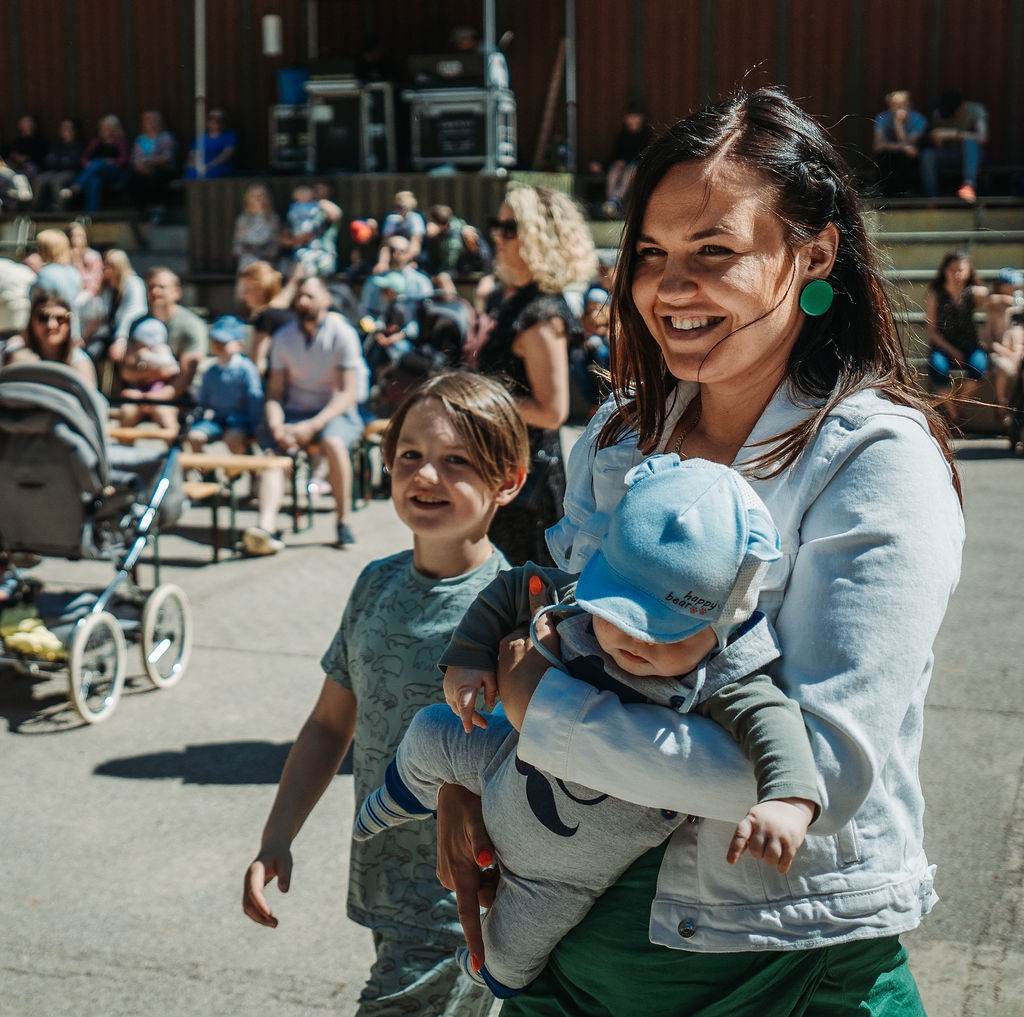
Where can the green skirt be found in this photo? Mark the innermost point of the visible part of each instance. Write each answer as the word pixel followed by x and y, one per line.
pixel 608 967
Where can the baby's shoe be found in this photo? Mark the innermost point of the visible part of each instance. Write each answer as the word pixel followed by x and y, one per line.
pixel 482 976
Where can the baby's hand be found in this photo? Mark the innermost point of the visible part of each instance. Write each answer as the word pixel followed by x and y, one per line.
pixel 772 831
pixel 461 684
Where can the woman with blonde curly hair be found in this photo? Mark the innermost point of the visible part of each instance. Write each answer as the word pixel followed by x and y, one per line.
pixel 541 246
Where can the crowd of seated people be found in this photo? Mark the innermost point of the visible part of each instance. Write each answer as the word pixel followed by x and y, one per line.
pixel 64 170
pixel 389 278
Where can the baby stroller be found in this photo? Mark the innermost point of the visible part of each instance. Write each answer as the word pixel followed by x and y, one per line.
pixel 64 493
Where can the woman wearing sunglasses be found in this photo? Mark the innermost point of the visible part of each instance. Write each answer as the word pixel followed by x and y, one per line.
pixel 48 337
pixel 541 246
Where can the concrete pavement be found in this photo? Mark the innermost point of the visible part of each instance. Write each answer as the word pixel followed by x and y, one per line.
pixel 124 844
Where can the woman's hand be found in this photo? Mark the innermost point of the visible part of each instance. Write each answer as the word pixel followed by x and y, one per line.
pixel 465 855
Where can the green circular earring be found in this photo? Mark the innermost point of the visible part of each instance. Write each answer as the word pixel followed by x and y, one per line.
pixel 816 297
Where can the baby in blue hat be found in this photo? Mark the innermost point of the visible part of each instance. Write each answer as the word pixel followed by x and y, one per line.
pixel 663 613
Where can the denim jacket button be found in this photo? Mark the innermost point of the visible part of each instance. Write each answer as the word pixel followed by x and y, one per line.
pixel 687 928
pixel 668 814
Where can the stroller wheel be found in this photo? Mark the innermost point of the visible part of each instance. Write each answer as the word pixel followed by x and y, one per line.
pixel 96 666
pixel 166 635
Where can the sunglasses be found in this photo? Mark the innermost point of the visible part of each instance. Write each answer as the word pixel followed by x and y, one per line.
pixel 42 318
pixel 508 228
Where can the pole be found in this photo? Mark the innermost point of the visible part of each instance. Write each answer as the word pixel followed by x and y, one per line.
pixel 199 11
pixel 571 129
pixel 491 105
pixel 312 32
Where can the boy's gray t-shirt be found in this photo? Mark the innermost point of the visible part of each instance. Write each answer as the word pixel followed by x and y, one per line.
pixel 394 629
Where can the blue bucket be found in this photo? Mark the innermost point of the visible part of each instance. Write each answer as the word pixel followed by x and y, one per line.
pixel 291 86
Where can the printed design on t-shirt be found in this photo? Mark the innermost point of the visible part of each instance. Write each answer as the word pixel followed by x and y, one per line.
pixel 540 796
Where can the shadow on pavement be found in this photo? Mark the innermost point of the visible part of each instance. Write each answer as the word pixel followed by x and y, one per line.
pixel 252 762
pixel 39 705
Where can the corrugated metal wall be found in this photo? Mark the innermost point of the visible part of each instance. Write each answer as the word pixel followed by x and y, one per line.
pixel 91 57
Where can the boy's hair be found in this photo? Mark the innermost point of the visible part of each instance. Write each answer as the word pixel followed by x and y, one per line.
pixel 483 414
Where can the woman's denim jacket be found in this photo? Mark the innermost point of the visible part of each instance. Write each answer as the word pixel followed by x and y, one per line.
pixel 872 535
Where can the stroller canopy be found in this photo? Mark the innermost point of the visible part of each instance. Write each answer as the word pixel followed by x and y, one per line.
pixel 53 458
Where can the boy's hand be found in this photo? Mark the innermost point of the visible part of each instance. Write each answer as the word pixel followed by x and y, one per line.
pixel 772 831
pixel 461 685
pixel 267 865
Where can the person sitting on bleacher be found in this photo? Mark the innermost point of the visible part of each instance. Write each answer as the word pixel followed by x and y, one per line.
pixel 47 336
pixel 25 154
pixel 257 235
pixel 218 145
pixel 1004 335
pixel 230 402
pixel 54 270
pixel 402 221
pixel 186 331
pixel 148 371
pixel 318 379
pixel 954 294
pixel 60 165
pixel 365 236
pixel 153 165
pixel 105 165
pixel 393 332
pixel 959 132
pixel 15 189
pixel 453 248
pixel 899 132
pixel 311 231
pixel 418 285
pixel 107 321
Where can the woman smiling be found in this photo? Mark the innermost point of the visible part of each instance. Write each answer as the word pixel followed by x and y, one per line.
pixel 752 330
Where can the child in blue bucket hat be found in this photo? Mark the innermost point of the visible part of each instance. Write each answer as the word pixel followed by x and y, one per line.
pixel 230 402
pixel 663 613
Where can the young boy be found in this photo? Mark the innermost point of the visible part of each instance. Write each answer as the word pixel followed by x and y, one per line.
pixel 664 613
pixel 456 449
pixel 391 334
pixel 231 393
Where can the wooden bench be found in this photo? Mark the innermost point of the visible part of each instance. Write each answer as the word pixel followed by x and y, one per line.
pixel 226 468
pixel 130 435
pixel 361 455
pixel 199 491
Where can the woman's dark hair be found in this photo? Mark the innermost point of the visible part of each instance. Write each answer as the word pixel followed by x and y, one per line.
pixel 853 346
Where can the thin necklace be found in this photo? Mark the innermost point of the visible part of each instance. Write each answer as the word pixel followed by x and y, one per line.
pixel 687 431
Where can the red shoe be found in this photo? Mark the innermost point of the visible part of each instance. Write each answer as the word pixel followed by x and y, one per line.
pixel 966 193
